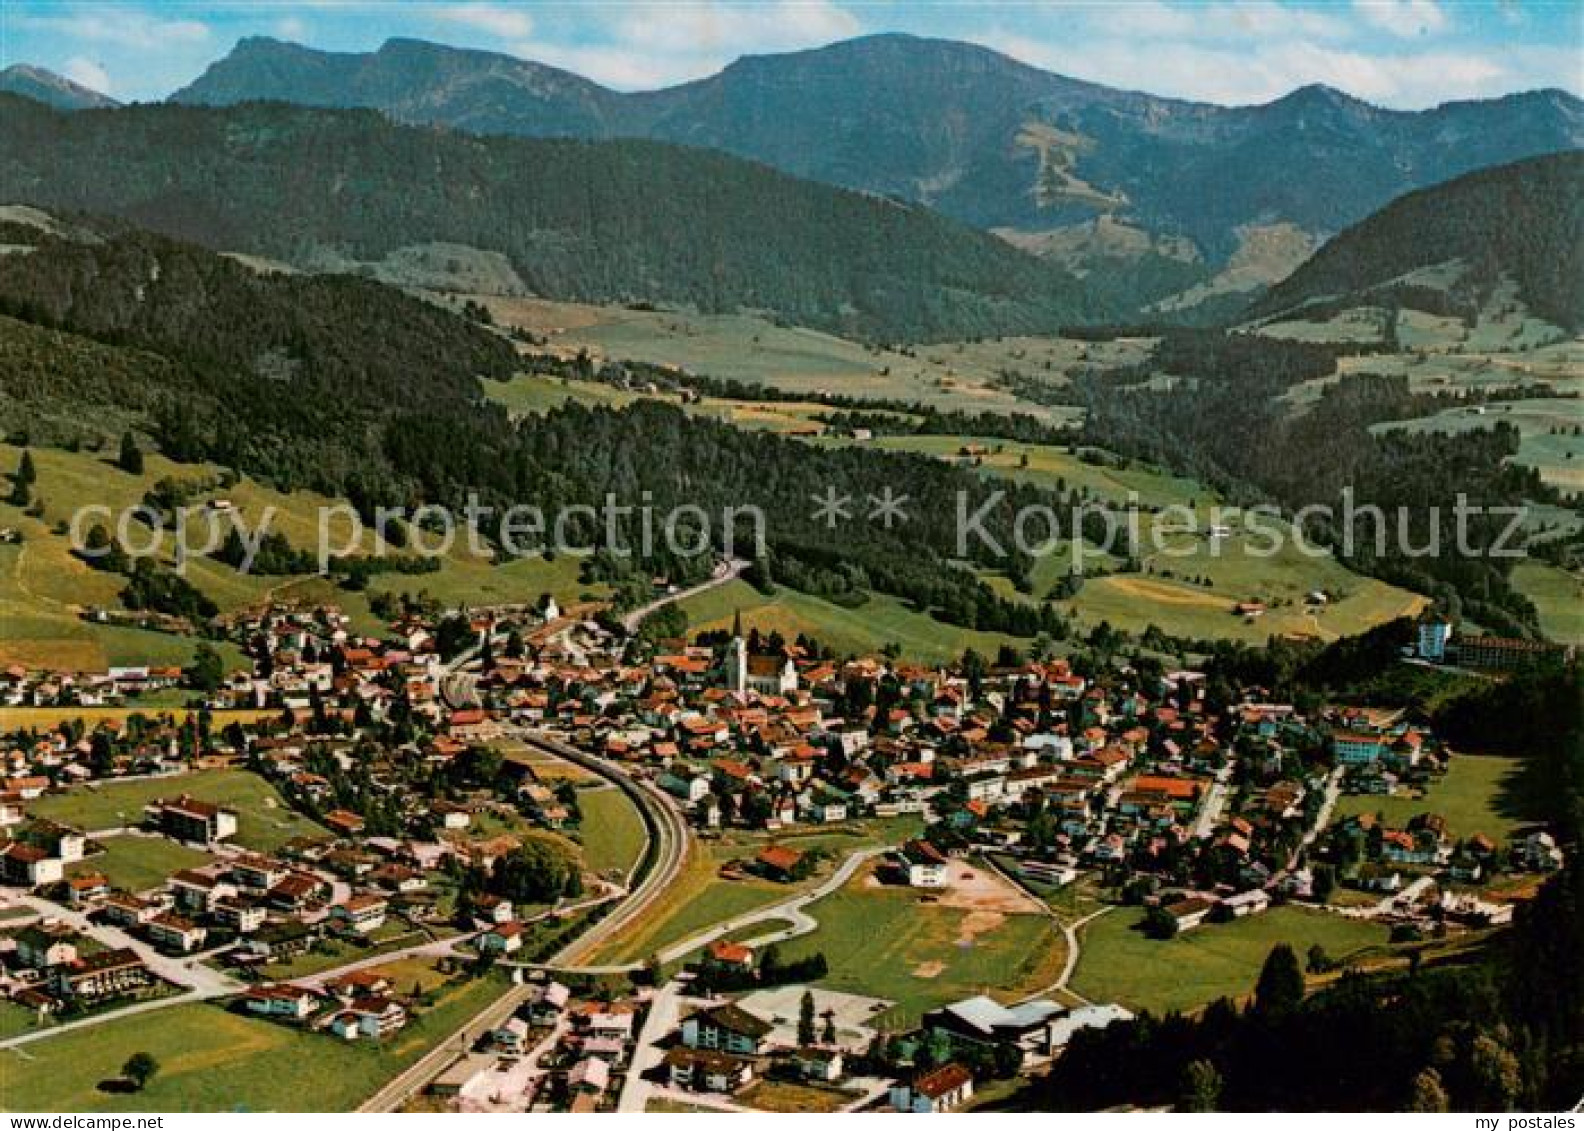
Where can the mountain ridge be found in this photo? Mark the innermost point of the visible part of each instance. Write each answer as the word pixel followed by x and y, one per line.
pixel 966 130
pixel 55 90
pixel 715 232
pixel 1522 222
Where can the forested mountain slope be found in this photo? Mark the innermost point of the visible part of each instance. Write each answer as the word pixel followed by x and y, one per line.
pixel 966 130
pixel 609 221
pixel 1445 248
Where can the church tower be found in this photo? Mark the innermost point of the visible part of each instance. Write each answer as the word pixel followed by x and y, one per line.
pixel 737 657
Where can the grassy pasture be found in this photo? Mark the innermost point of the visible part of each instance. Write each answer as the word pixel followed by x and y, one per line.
pixel 863 630
pixel 699 898
pixel 1558 594
pixel 1118 962
pixel 44 586
pixel 1469 796
pixel 956 375
pixel 886 942
pixel 213 1060
pixel 1545 424
pixel 264 822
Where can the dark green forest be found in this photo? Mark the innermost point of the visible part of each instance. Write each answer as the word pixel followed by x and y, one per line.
pixel 1524 220
pixel 1226 425
pixel 596 221
pixel 353 389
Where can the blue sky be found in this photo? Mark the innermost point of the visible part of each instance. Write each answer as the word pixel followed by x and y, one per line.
pixel 1400 53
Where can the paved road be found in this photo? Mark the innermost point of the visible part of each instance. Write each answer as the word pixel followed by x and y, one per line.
pixel 668 832
pixel 1069 934
pixel 200 982
pixel 724 572
pixel 666 827
pixel 664 1015
pixel 1210 812
pixel 412 1080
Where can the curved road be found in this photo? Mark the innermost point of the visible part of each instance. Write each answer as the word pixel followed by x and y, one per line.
pixel 724 572
pixel 668 834
pixel 790 910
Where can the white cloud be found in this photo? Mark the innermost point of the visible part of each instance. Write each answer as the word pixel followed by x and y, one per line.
pixel 1405 18
pixel 645 46
pixel 291 27
pixel 708 28
pixel 123 27
pixel 85 72
pixel 1258 73
pixel 499 20
pixel 1251 19
pixel 619 67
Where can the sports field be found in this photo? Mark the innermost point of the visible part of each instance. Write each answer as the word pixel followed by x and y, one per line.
pixel 922 951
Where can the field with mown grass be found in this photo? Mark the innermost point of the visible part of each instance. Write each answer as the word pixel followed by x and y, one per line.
pixel 264 821
pixel 612 833
pixel 46 587
pixel 1472 796
pixel 947 375
pixel 861 630
pixel 137 863
pixel 889 942
pixel 214 1060
pixel 1118 962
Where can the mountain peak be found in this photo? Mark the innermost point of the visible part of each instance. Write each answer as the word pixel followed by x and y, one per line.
pixel 1320 95
pixel 55 90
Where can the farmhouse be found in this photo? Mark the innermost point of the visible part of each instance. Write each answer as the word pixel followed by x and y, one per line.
pixel 778 862
pixel 729 957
